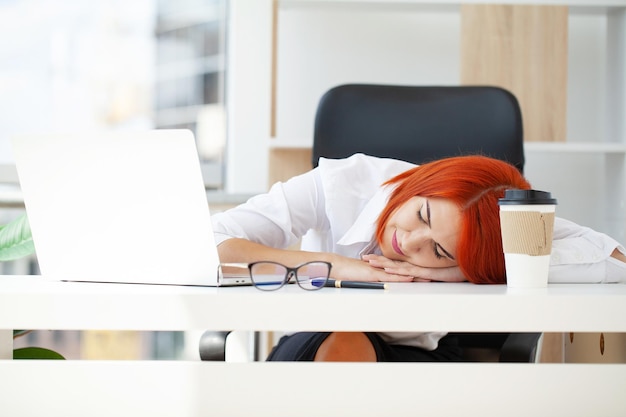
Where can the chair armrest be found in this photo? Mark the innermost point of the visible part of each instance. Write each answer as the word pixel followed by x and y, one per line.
pixel 213 346
pixel 521 347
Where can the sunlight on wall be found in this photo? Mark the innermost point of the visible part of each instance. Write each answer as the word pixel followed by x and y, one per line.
pixel 75 65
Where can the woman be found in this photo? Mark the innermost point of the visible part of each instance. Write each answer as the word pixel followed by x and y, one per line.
pixel 379 219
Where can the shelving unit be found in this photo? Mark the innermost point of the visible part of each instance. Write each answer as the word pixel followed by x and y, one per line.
pixel 580 147
pixel 322 43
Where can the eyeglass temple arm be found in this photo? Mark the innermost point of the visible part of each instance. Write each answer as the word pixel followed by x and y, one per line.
pixel 234 264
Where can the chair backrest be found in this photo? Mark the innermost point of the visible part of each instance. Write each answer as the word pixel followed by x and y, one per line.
pixel 418 123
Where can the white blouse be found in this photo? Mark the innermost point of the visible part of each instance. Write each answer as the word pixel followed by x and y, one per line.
pixel 334 208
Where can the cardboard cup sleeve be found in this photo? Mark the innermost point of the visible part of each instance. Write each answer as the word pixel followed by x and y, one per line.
pixel 527 232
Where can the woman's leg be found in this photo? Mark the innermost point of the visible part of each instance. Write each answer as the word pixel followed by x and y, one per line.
pixel 346 347
pixel 308 346
pixel 325 346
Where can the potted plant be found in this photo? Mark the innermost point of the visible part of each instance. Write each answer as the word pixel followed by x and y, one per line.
pixel 16 242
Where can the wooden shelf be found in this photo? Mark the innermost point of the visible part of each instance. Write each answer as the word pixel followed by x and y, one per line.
pixel 578 147
pixel 576 3
pixel 582 147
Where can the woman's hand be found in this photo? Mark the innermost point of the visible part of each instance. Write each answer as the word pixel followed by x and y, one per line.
pixel 350 269
pixel 415 272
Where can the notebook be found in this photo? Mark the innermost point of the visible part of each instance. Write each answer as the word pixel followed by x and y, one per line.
pixel 125 207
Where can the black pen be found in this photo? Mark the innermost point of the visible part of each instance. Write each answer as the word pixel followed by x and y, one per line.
pixel 349 284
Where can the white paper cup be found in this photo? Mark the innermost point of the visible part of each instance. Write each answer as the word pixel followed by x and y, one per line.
pixel 527 227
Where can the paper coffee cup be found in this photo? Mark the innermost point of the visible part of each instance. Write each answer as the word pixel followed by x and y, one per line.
pixel 527 226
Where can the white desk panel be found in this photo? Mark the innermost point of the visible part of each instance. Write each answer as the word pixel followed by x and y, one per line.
pixel 33 302
pixel 189 388
pixel 186 389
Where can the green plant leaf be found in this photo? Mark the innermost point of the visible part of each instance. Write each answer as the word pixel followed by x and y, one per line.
pixel 16 240
pixel 36 353
pixel 19 333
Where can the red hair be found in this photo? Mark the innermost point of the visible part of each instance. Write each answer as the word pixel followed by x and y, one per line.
pixel 474 184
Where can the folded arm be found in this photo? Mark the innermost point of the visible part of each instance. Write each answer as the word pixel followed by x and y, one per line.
pixel 583 255
pixel 343 268
pixel 415 272
pixel 618 255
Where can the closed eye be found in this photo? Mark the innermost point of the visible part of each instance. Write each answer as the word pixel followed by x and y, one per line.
pixel 437 248
pixel 425 220
pixel 447 254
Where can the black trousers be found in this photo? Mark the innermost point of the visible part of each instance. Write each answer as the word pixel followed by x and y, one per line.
pixel 303 347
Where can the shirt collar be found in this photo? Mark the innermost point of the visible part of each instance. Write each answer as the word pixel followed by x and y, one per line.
pixel 364 227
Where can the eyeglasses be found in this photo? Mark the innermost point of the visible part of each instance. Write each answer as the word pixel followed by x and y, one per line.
pixel 270 276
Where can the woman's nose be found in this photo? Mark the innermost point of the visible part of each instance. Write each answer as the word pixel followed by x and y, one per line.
pixel 414 240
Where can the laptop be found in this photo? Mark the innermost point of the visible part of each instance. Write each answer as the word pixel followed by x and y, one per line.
pixel 124 207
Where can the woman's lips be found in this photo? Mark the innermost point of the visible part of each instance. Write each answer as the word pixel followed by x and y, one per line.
pixel 394 244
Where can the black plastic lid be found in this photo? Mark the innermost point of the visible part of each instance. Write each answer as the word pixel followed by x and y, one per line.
pixel 517 197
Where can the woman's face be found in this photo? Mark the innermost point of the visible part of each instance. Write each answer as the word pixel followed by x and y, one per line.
pixel 424 232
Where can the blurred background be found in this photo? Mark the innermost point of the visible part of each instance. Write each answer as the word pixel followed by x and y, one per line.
pixel 113 64
pixel 75 65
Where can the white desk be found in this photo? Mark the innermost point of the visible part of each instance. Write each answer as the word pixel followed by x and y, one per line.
pixel 185 388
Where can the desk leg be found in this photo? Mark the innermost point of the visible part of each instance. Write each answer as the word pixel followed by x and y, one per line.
pixel 552 348
pixel 6 344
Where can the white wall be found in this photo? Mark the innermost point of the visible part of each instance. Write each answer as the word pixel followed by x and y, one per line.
pixel 248 87
pixel 323 46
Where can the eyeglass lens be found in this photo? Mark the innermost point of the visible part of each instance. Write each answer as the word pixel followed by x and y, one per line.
pixel 269 276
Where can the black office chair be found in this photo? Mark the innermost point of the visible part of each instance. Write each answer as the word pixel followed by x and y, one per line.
pixel 417 125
